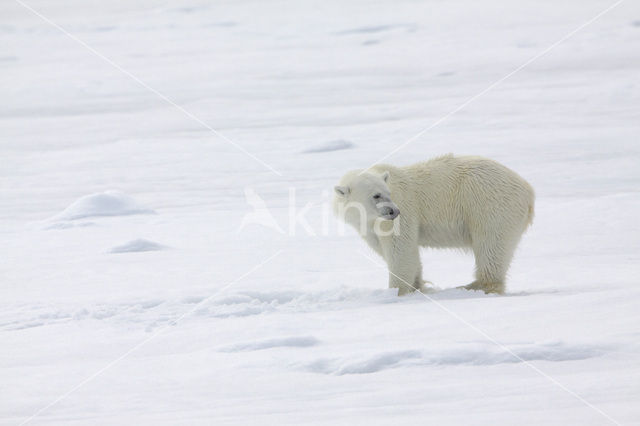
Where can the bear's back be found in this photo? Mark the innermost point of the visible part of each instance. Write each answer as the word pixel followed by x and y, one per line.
pixel 451 196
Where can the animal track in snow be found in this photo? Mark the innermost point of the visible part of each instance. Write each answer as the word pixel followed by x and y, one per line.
pixel 363 365
pixel 372 29
pixel 459 355
pixel 293 341
pixel 137 246
pixel 336 145
pixel 152 313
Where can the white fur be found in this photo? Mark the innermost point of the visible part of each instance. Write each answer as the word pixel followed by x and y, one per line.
pixel 447 202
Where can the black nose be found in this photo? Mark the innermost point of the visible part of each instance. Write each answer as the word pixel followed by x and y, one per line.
pixel 389 212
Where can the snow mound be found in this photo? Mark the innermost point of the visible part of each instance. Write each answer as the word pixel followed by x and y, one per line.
pixel 109 203
pixel 294 341
pixel 137 245
pixel 336 145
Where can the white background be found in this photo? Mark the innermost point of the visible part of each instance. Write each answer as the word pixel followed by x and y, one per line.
pixel 313 336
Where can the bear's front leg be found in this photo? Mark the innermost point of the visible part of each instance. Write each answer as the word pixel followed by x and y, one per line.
pixel 403 259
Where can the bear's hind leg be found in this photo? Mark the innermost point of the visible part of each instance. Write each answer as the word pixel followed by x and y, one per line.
pixel 493 257
pixel 492 287
pixel 419 283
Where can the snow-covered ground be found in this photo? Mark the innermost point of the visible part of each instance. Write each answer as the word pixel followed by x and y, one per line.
pixel 131 292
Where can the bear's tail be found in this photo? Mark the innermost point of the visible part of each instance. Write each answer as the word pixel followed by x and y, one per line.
pixel 531 214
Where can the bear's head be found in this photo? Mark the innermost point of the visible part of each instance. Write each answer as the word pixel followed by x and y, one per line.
pixel 364 197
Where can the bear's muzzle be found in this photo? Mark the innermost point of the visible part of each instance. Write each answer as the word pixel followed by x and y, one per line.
pixel 388 210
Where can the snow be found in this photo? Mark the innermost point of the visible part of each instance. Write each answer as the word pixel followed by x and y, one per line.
pixel 295 341
pixel 336 145
pixel 108 203
pixel 259 322
pixel 139 244
pixel 461 355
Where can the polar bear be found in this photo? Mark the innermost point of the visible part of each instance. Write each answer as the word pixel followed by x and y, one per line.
pixel 447 202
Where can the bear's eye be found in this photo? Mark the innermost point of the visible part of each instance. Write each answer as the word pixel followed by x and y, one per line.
pixel 376 197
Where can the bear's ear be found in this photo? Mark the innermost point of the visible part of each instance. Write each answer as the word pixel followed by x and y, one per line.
pixel 385 176
pixel 341 190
